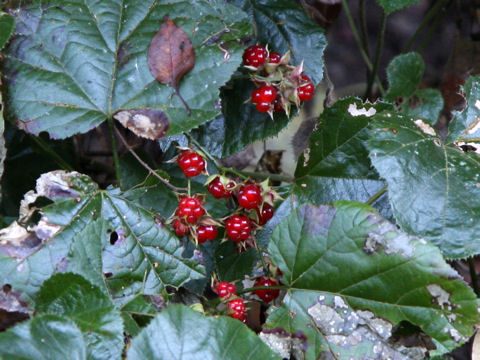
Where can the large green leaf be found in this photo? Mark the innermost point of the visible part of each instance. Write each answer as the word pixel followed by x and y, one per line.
pixel 404 74
pixel 466 124
pixel 7 24
pixel 72 63
pixel 179 332
pixel 94 313
pixel 391 6
pixel 425 104
pixel 348 250
pixel 44 337
pixel 433 188
pixel 138 253
pixel 335 165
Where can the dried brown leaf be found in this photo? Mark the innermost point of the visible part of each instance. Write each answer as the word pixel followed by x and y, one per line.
pixel 150 124
pixel 171 55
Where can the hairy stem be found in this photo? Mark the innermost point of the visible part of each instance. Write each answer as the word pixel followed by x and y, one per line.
pixel 48 151
pixel 378 54
pixel 116 159
pixel 431 13
pixel 146 166
pixel 359 43
pixel 242 174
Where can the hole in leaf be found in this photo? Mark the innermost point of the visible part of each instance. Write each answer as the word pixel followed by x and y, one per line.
pixel 6 288
pixel 113 237
pixel 108 275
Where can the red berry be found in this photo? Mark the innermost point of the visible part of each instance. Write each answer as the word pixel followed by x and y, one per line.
pixel 236 309
pixel 216 188
pixel 277 105
pixel 274 57
pixel 268 294
pixel 206 233
pixel 255 98
pixel 255 55
pixel 267 93
pixel 263 106
pixel 191 163
pixel 249 196
pixel 267 214
pixel 181 229
pixel 190 208
pixel 238 227
pixel 305 91
pixel 225 290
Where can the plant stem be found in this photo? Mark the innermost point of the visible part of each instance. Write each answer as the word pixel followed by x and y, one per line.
pixel 376 196
pixel 473 275
pixel 431 13
pixel 44 147
pixel 359 43
pixel 264 264
pixel 253 288
pixel 363 26
pixel 116 159
pixel 433 27
pixel 242 174
pixel 146 166
pixel 378 54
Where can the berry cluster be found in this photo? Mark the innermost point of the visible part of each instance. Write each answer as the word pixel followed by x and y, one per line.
pixel 278 84
pixel 253 203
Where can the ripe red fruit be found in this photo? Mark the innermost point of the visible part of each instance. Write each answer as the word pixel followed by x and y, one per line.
pixel 206 233
pixel 274 57
pixel 265 215
pixel 277 105
pixel 238 227
pixel 181 229
pixel 191 163
pixel 216 188
pixel 225 290
pixel 263 107
pixel 236 309
pixel 255 55
pixel 190 208
pixel 249 196
pixel 267 93
pixel 268 294
pixel 305 91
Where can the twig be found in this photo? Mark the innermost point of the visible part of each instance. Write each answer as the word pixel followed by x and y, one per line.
pixel 252 289
pixel 146 166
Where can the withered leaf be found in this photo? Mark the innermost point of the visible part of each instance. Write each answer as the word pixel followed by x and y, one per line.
pixel 171 55
pixel 147 123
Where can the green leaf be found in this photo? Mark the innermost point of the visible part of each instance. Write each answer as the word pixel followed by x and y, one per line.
pixel 179 332
pixel 7 24
pixel 404 74
pixel 232 265
pixel 51 88
pixel 75 298
pixel 391 6
pixel 425 104
pixel 139 255
pixel 348 250
pixel 466 124
pixel 43 337
pixel 284 26
pixel 433 188
pixel 335 165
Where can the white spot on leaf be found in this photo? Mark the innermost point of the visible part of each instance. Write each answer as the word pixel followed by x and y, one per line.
pixel 354 111
pixel 426 128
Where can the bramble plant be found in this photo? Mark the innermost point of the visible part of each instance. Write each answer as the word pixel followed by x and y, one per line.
pixel 166 247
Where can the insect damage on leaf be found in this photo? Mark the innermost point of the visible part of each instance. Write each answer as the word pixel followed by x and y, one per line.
pixel 171 55
pixel 285 344
pixel 150 124
pixel 357 333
